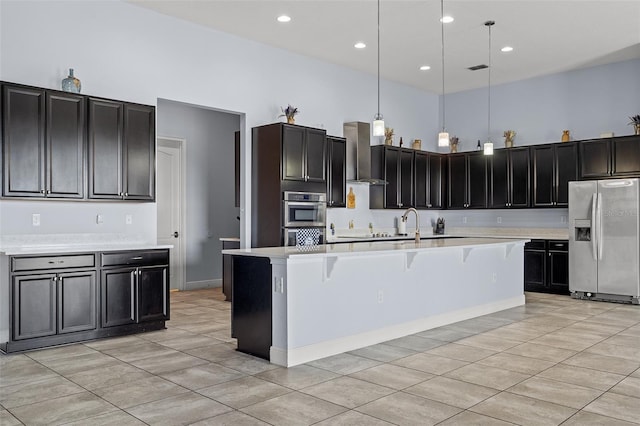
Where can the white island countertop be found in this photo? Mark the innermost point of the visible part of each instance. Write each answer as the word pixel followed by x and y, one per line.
pixel 24 245
pixel 380 247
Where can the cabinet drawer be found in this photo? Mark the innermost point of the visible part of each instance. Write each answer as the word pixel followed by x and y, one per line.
pixel 52 262
pixel 136 258
pixel 535 245
pixel 559 245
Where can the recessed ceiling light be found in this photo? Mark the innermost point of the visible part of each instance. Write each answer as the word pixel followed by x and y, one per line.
pixel 359 45
pixel 506 49
pixel 284 18
pixel 425 68
pixel 446 19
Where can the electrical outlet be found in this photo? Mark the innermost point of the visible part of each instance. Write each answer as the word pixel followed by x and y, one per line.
pixel 464 219
pixel 380 296
pixel 499 219
pixel 563 219
pixel 128 219
pixel 35 219
pixel 99 219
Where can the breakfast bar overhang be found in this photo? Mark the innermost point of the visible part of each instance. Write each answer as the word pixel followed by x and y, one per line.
pixel 295 305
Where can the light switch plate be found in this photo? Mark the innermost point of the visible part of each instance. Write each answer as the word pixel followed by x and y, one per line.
pixel 35 219
pixel 128 219
pixel 99 219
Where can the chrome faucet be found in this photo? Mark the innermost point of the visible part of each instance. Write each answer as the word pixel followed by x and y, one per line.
pixel 404 219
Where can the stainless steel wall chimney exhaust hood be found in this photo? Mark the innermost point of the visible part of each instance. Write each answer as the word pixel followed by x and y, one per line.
pixel 358 137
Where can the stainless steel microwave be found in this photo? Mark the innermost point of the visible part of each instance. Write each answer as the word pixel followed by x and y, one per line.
pixel 304 209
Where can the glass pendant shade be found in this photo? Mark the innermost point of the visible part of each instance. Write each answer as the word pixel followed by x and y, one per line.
pixel 488 148
pixel 443 139
pixel 378 125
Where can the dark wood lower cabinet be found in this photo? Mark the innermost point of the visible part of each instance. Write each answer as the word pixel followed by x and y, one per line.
pixel 546 266
pixel 76 301
pixel 251 305
pixel 118 297
pixel 59 299
pixel 153 293
pixel 34 306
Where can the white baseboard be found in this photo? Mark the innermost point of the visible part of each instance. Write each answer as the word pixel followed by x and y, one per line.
pixel 198 285
pixel 292 357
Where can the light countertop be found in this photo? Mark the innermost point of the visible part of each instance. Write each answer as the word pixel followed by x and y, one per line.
pixel 375 247
pixel 15 245
pixel 230 239
pixel 533 233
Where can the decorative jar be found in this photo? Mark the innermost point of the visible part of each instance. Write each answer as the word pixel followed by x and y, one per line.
pixel 71 83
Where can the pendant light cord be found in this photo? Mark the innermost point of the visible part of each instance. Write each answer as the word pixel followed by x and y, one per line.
pixel 489 24
pixel 442 41
pixel 378 57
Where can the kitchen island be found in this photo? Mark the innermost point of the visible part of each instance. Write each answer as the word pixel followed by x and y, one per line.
pixel 292 305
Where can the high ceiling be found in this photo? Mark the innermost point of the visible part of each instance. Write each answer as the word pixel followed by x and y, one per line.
pixel 548 36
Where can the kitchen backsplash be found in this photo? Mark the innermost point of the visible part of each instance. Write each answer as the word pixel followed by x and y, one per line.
pixel 68 217
pixel 386 220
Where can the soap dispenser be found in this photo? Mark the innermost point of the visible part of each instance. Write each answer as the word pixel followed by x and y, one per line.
pixel 351 199
pixel 402 226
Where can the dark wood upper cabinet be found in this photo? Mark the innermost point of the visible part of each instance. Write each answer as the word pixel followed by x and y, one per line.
pixel 499 179
pixel 23 137
pixel 554 166
pixel 65 145
pixel 336 171
pixel 121 150
pixel 457 181
pixel 625 153
pixel 595 159
pixel 43 143
pixel 509 178
pixel 467 181
pixel 428 171
pixel 477 180
pixel 303 153
pixel 394 165
pixel 139 152
pixel 614 157
pixel 106 121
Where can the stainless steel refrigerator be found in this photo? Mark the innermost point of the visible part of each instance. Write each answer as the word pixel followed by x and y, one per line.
pixel 604 240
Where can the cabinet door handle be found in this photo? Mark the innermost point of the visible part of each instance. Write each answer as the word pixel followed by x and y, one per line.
pixel 121 194
pixel 126 194
pixel 42 191
pixel 139 257
pixel 48 191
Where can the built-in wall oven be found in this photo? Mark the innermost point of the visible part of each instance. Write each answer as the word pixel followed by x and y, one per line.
pixel 304 218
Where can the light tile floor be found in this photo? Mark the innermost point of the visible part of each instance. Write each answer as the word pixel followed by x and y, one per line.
pixel 553 361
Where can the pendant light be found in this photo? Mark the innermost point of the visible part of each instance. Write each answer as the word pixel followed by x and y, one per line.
pixel 443 136
pixel 378 121
pixel 488 145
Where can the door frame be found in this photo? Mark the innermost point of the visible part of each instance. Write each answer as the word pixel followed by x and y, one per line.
pixel 181 145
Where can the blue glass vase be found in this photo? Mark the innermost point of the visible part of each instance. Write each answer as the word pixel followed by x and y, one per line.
pixel 71 84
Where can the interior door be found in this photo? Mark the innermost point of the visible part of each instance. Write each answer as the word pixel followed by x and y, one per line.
pixel 169 196
pixel 618 254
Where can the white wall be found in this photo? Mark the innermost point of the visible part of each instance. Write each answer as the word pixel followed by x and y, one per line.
pixel 210 197
pixel 587 102
pixel 125 52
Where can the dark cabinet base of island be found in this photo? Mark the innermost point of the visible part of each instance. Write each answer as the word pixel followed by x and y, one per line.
pixel 56 299
pixel 251 305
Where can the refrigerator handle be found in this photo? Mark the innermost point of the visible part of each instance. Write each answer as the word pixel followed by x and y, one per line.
pixel 594 227
pixel 600 242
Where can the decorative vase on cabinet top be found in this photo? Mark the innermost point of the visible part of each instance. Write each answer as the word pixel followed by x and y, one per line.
pixel 71 83
pixel 566 137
